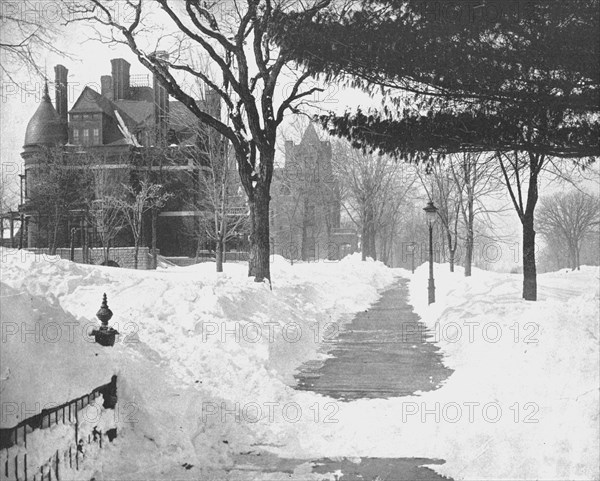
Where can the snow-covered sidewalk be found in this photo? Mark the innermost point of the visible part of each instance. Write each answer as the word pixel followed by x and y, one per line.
pixel 206 361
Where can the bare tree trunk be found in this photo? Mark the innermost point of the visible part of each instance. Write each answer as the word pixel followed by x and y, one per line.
pixel 470 238
pixel 368 233
pixel 220 253
pixel 529 268
pixel 259 265
pixel 572 255
pixel 451 250
pixel 384 251
pixel 154 234
pixel 136 251
pixel 291 244
pixel 372 237
pixel 55 233
pixel 469 252
pixel 219 256
pixel 304 247
pixel 365 239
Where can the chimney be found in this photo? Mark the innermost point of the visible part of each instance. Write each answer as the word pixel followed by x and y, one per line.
pixel 106 85
pixel 61 90
pixel 161 103
pixel 213 103
pixel 120 78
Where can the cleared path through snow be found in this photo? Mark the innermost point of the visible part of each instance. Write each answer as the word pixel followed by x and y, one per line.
pixel 384 352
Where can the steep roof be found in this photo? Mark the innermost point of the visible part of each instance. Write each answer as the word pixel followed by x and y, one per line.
pixel 180 117
pixel 310 136
pixel 139 110
pixel 140 113
pixel 46 126
pixel 92 101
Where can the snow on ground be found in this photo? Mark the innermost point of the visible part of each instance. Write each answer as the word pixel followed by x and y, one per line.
pixel 536 361
pixel 191 340
pixel 205 363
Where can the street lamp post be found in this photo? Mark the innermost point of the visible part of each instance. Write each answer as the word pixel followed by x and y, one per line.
pixel 431 212
pixel 411 248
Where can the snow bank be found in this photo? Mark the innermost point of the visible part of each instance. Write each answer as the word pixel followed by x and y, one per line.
pixel 205 364
pixel 537 362
pixel 46 358
pixel 191 341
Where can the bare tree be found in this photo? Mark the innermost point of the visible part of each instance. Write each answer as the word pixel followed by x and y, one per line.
pixel 570 217
pixel 371 190
pixel 219 200
pixel 141 200
pixel 104 208
pixel 477 181
pixel 26 37
pixel 442 189
pixel 393 212
pixel 225 214
pixel 521 172
pixel 56 186
pixel 236 38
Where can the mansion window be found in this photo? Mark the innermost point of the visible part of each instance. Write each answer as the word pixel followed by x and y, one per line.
pixel 75 136
pixel 86 136
pixel 96 139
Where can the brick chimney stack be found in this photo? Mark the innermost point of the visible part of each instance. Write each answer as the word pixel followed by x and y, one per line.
pixel 213 103
pixel 106 85
pixel 61 90
pixel 120 78
pixel 161 104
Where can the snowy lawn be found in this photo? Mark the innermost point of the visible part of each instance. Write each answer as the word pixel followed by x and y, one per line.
pixel 205 364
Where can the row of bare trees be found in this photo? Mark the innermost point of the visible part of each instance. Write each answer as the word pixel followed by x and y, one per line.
pixel 222 211
pixel 378 195
pixel 464 187
pixel 566 220
pixel 373 190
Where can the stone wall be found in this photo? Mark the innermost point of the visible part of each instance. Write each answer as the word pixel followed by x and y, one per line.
pixel 123 256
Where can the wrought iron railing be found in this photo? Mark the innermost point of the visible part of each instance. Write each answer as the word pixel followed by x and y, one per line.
pixel 15 465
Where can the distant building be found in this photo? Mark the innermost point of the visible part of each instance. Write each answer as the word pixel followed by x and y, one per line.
pixel 306 206
pixel 129 127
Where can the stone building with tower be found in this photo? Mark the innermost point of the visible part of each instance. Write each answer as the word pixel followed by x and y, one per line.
pixel 128 131
pixel 306 207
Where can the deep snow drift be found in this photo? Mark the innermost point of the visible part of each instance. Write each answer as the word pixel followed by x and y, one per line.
pixel 205 363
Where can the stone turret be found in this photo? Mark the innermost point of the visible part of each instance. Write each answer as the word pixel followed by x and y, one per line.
pixel 46 128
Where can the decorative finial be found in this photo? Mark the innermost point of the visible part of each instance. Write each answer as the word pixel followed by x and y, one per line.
pixel 46 93
pixel 104 313
pixel 104 335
